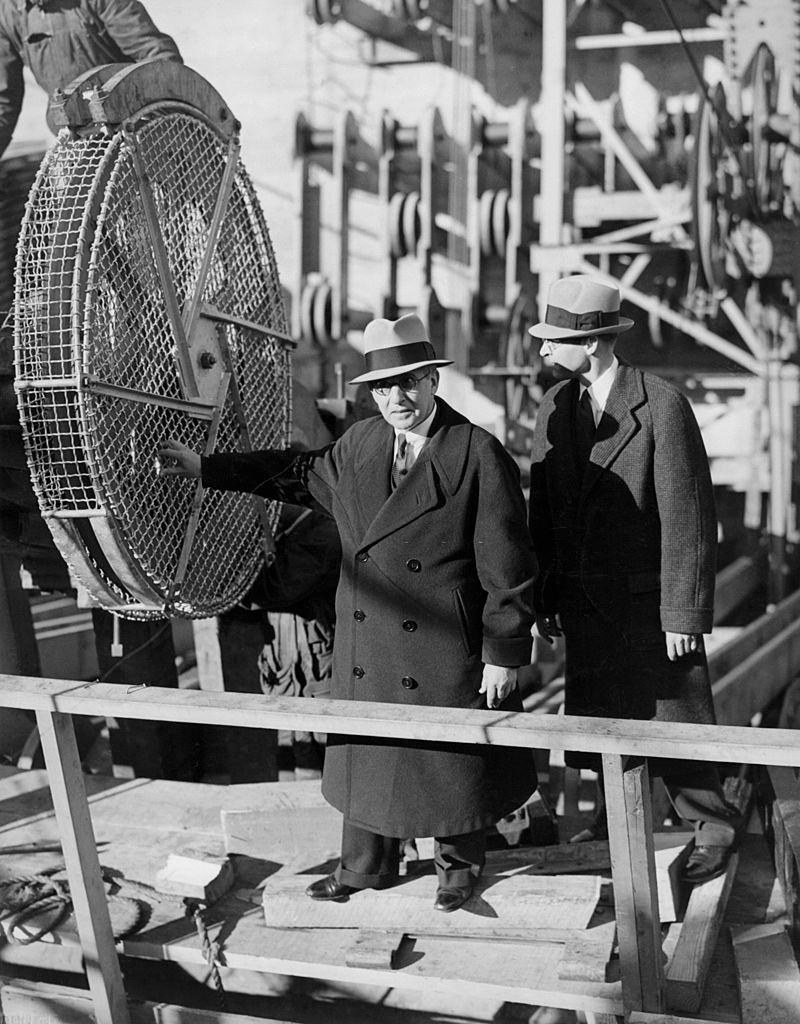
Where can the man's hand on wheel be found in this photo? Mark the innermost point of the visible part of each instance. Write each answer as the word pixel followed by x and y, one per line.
pixel 178 460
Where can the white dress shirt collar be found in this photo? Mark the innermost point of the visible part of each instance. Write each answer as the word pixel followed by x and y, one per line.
pixel 417 437
pixel 600 389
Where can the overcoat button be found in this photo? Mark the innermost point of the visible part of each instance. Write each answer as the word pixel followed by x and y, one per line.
pixel 414 565
pixel 358 672
pixel 409 625
pixel 409 682
pixel 362 556
pixel 358 615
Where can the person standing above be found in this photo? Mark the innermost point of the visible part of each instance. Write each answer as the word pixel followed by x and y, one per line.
pixel 623 523
pixel 434 608
pixel 61 39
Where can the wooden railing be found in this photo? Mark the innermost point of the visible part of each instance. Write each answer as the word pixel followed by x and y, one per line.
pixel 55 701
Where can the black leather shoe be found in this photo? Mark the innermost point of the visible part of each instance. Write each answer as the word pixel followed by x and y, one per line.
pixel 448 900
pixel 705 863
pixel 329 888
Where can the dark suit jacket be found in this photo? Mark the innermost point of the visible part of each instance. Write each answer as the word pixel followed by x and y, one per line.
pixel 627 549
pixel 437 578
pixel 641 518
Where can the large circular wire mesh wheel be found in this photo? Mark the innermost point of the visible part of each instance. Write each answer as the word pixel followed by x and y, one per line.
pixel 148 306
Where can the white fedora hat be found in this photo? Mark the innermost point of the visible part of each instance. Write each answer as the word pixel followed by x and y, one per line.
pixel 580 307
pixel 392 347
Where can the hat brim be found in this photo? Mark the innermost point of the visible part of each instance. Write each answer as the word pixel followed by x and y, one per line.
pixel 396 371
pixel 547 332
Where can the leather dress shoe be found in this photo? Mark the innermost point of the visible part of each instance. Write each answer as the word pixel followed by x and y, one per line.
pixel 448 900
pixel 329 888
pixel 705 863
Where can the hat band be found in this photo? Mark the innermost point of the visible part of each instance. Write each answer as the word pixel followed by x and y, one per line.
pixel 591 321
pixel 399 355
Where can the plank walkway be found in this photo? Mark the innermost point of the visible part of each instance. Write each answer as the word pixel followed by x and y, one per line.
pixel 137 823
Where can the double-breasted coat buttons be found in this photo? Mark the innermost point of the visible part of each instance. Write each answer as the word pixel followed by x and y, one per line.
pixel 409 683
pixel 409 625
pixel 358 672
pixel 414 565
pixel 359 615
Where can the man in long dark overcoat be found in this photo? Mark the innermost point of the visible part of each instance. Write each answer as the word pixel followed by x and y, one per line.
pixel 434 608
pixel 623 521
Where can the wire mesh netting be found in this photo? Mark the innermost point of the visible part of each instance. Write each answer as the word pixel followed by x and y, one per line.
pixel 98 372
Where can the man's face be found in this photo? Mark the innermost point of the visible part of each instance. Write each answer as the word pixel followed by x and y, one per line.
pixel 568 359
pixel 407 399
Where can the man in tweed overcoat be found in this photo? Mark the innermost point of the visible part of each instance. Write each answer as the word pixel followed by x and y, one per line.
pixel 434 608
pixel 624 527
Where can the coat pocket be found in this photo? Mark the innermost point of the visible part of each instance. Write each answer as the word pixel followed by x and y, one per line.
pixel 470 634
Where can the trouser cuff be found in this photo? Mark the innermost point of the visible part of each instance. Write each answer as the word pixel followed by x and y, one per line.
pixel 360 881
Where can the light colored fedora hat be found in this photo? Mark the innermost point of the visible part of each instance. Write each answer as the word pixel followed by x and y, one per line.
pixel 392 347
pixel 580 307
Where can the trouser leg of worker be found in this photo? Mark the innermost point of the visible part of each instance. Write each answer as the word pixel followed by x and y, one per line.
pixel 696 795
pixel 369 860
pixel 459 859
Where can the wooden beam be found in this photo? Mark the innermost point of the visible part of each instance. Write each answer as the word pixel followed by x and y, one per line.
pixel 637 1017
pixel 737 581
pixel 80 856
pixel 39 1001
pixel 753 637
pixel 552 129
pixel 560 732
pixel 786 828
pixel 753 684
pixel 689 965
pixel 769 978
pixel 630 829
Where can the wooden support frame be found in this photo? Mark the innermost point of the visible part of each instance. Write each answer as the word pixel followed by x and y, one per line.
pixel 630 836
pixel 627 789
pixel 80 856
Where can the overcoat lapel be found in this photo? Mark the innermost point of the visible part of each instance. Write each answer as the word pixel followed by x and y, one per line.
pixel 385 511
pixel 617 425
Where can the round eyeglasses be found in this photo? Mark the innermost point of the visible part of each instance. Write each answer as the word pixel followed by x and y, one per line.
pixel 408 384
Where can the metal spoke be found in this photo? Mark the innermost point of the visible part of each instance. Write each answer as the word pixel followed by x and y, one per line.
pixel 199 492
pixel 192 310
pixel 162 265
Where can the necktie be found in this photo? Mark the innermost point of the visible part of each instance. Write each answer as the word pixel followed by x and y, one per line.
pixel 400 464
pixel 584 428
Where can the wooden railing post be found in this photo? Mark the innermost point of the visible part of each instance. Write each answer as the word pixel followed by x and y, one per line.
pixel 83 868
pixel 630 833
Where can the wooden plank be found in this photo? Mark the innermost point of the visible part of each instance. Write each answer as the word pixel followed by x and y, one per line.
pixel 769 978
pixel 671 851
pixel 80 856
pixel 753 637
pixel 630 828
pixel 754 683
pixel 639 1017
pixel 560 859
pixel 586 956
pixel 689 964
pixel 374 948
pixel 515 901
pixel 736 582
pixel 516 972
pixel 42 1002
pixel 560 732
pixel 314 833
pixel 786 829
